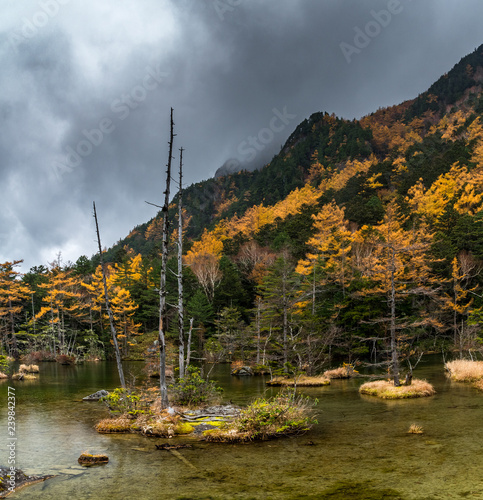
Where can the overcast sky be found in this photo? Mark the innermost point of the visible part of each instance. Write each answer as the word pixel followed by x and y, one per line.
pixel 87 85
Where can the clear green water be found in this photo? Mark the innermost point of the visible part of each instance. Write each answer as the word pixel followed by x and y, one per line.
pixel 360 448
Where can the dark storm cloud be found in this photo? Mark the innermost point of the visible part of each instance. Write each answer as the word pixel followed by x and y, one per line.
pixel 87 87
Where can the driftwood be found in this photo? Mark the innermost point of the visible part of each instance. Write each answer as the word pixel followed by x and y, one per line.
pixel 216 413
pixel 210 416
pixel 169 447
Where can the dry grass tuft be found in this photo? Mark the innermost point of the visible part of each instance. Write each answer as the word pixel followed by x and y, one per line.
pixel 346 371
pixel 415 429
pixel 229 435
pixel 386 390
pixel 462 370
pixel 29 369
pixel 337 373
pixel 303 381
pixel 112 425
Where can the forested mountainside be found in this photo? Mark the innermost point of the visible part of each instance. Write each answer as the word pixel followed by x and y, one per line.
pixel 386 136
pixel 354 230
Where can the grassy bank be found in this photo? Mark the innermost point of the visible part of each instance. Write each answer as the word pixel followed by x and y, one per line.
pixel 462 370
pixel 302 381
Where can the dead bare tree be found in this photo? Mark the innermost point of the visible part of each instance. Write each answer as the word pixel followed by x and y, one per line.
pixel 163 310
pixel 180 270
pixel 188 344
pixel 108 307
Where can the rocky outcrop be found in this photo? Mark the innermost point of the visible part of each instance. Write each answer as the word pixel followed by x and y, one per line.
pixel 244 371
pixel 96 396
pixel 9 483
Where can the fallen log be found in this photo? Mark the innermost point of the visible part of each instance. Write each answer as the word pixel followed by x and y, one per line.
pixel 169 447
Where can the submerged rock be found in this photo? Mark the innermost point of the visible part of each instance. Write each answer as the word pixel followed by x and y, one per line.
pixel 13 482
pixel 96 396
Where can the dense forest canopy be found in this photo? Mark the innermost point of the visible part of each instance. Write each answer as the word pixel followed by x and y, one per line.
pixel 356 233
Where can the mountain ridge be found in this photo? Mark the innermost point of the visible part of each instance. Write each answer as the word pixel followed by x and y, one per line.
pixel 382 135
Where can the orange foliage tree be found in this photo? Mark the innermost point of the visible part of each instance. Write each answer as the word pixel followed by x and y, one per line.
pixel 13 293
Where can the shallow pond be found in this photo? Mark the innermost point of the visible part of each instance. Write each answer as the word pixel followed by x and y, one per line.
pixel 360 448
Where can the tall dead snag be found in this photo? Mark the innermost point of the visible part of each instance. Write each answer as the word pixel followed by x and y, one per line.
pixel 180 269
pixel 188 344
pixel 108 307
pixel 163 310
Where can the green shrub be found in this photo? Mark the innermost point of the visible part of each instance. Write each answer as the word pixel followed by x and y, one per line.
pixel 6 365
pixel 267 418
pixel 282 414
pixel 193 389
pixel 121 401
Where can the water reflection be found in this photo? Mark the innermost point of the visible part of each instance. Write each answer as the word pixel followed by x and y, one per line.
pixel 358 440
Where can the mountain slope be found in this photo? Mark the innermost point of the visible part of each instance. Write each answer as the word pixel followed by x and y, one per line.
pixel 328 158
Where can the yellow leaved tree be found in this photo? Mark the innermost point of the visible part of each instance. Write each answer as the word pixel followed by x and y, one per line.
pixel 13 294
pixel 393 262
pixel 63 308
pixel 122 305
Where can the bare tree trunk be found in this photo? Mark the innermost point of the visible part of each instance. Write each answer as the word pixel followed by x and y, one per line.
pixel 12 323
pixel 285 324
pixel 162 287
pixel 313 290
pixel 394 353
pixel 188 349
pixel 259 306
pixel 108 307
pixel 33 313
pixel 180 270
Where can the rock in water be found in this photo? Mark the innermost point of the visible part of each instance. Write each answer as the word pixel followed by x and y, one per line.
pixel 88 460
pixel 244 371
pixel 10 483
pixel 96 396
